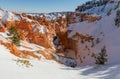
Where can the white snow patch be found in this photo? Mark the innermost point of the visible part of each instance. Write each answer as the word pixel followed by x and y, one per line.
pixel 43 30
pixel 9 16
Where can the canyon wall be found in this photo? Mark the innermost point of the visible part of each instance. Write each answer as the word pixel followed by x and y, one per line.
pixel 44 30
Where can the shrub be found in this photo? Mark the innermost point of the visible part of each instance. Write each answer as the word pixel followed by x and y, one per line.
pixel 16 40
pixel 117 19
pixel 97 40
pixel 12 30
pixel 101 58
pixel 15 36
pixel 25 63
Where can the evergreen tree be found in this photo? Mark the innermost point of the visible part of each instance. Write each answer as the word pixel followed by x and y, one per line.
pixel 15 36
pixel 12 30
pixel 101 58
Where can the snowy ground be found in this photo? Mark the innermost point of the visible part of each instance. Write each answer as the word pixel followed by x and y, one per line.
pixel 51 70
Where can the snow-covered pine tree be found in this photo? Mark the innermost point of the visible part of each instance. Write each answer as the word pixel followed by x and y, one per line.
pixel 101 57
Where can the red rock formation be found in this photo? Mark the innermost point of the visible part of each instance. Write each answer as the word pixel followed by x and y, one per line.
pixel 30 17
pixel 13 49
pixel 29 30
pixel 23 54
pixel 0 42
pixel 9 23
pixel 2 29
pixel 83 37
pixel 93 18
pixel 24 25
pixel 71 18
pixel 82 16
pixel 67 43
pixel 48 56
pixel 40 39
pixel 24 15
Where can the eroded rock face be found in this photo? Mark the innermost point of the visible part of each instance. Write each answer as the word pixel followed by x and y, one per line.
pixel 64 44
pixel 9 23
pixel 48 56
pixel 22 54
pixel 93 18
pixel 31 30
pixel 2 29
pixel 12 49
pixel 41 31
pixel 27 54
pixel 79 17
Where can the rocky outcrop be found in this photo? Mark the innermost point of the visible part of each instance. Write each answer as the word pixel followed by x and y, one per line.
pixel 66 43
pixel 40 39
pixel 75 17
pixel 91 4
pixel 2 29
pixel 93 18
pixel 22 54
pixel 27 54
pixel 13 49
pixel 41 31
pixel 47 56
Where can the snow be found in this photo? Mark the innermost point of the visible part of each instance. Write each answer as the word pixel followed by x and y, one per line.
pixel 1 14
pixel 50 16
pixel 101 10
pixel 40 69
pixel 9 16
pixel 103 29
pixel 30 46
pixel 4 37
pixel 92 28
pixel 45 69
pixel 43 30
pixel 27 19
pixel 109 32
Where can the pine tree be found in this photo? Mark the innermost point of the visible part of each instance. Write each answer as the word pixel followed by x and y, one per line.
pixel 101 58
pixel 12 30
pixel 15 36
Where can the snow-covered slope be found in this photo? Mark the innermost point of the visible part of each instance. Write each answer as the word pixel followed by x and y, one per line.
pixel 8 16
pixel 101 10
pixel 10 68
pixel 107 33
pixel 13 67
pixel 104 32
pixel 50 16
